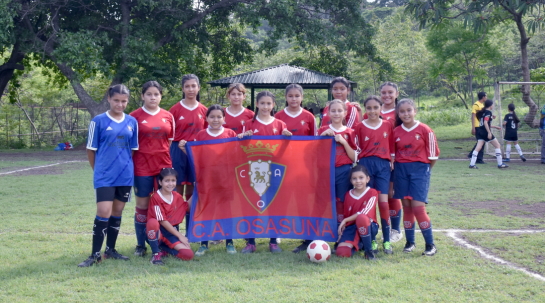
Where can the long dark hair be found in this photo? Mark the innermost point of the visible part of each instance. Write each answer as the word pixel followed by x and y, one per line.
pixel 392 84
pixel 398 105
pixel 511 107
pixel 262 94
pixel 487 104
pixel 165 172
pixel 188 77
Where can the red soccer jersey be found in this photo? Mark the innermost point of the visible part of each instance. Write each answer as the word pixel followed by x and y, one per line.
pixel 375 141
pixel 273 128
pixel 162 209
pixel 417 144
pixel 365 204
pixel 341 157
pixel 301 124
pixel 155 132
pixel 389 115
pixel 189 121
pixel 237 122
pixel 205 134
pixel 352 116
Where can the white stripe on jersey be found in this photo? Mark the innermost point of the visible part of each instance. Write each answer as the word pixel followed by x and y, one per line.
pixel 369 206
pixel 158 213
pixel 92 126
pixel 433 150
pixel 173 127
pixel 352 118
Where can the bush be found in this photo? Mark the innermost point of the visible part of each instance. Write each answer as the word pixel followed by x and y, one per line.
pixel 444 117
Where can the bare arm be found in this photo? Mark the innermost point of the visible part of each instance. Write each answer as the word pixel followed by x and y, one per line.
pixel 91 154
pixel 174 231
pixel 349 151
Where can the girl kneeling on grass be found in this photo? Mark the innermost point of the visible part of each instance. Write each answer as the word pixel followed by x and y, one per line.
pixel 359 227
pixel 484 134
pixel 166 211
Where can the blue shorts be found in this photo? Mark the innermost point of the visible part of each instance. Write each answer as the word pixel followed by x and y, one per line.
pixel 412 181
pixel 143 186
pixel 342 181
pixel 350 235
pixel 167 238
pixel 379 171
pixel 180 163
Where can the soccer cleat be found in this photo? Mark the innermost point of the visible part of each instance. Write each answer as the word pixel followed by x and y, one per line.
pixel 113 254
pixel 201 251
pixel 156 259
pixel 387 248
pixel 374 246
pixel 523 158
pixel 430 250
pixel 300 248
pixel 273 247
pixel 140 251
pixel 409 247
pixel 506 160
pixel 473 167
pixel 231 249
pixel 503 166
pixel 370 255
pixel 250 248
pixel 395 236
pixel 93 259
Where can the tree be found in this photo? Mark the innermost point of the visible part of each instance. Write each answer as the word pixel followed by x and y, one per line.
pixel 484 14
pixel 142 40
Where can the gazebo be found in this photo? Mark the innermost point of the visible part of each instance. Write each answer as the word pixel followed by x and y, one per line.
pixel 278 77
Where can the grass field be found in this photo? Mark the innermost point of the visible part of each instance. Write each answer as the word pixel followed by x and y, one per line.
pixel 47 220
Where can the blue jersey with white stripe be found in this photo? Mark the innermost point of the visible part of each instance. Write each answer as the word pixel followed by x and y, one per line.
pixel 113 140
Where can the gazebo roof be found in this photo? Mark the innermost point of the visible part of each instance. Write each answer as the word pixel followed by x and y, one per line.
pixel 279 77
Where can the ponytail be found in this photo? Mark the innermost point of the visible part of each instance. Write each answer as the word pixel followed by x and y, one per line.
pixel 511 107
pixel 487 104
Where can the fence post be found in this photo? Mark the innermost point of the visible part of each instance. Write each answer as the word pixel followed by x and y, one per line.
pixel 7 131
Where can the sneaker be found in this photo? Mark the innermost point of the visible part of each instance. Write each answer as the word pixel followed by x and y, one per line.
pixel 503 166
pixel 163 254
pixel 93 259
pixel 156 259
pixel 273 247
pixel 523 158
pixel 231 249
pixel 374 246
pixel 201 251
pixel 278 240
pixel 395 236
pixel 370 255
pixel 300 248
pixel 473 167
pixel 250 248
pixel 140 251
pixel 387 248
pixel 113 254
pixel 430 250
pixel 506 160
pixel 409 247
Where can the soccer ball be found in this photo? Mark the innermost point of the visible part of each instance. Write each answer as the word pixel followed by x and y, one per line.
pixel 318 251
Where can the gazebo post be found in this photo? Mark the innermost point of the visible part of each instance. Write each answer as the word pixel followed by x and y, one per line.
pixel 252 101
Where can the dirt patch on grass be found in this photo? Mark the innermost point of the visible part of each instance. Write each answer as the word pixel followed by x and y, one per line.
pixel 53 156
pixel 502 208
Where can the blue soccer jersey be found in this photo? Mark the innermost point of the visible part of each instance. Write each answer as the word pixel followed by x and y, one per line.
pixel 113 140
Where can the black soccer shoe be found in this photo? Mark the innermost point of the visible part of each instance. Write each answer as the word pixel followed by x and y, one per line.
pixel 140 251
pixel 409 247
pixel 300 248
pixel 113 254
pixel 430 250
pixel 370 255
pixel 93 259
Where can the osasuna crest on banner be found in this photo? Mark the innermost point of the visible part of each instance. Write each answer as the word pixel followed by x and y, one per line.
pixel 260 179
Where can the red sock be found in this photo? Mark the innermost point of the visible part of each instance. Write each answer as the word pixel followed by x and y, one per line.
pixel 384 211
pixel 185 254
pixel 152 228
pixel 344 252
pixel 422 217
pixel 363 223
pixel 408 217
pixel 141 215
pixel 395 206
pixel 340 210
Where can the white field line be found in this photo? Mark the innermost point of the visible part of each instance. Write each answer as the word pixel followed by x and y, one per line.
pixel 515 231
pixel 36 167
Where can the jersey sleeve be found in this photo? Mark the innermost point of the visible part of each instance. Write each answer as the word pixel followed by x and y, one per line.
pixel 432 149
pixel 94 135
pixel 353 118
pixel 475 108
pixel 155 210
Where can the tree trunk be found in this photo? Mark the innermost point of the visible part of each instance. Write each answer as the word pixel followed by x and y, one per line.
pixel 530 118
pixel 13 63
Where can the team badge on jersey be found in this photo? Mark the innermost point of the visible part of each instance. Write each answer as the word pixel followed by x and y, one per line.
pixel 345 136
pixel 417 137
pixel 260 179
pixel 200 116
pixel 385 134
pixel 129 127
pixel 302 122
pixel 164 120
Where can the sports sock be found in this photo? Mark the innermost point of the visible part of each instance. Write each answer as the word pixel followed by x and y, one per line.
pixel 395 207
pixel 364 230
pixel 519 150
pixel 251 241
pixel 508 151
pixel 113 230
pixel 273 241
pixel 140 220
pixel 408 223
pixel 424 223
pixel 99 232
pixel 229 241
pixel 498 156
pixel 185 254
pixel 472 162
pixel 153 234
pixel 385 220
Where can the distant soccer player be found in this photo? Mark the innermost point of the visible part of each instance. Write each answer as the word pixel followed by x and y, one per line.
pixel 511 124
pixel 484 134
pixel 155 133
pixel 416 153
pixel 236 114
pixel 340 88
pixel 166 211
pixel 113 136
pixel 215 117
pixel 359 227
pixel 264 124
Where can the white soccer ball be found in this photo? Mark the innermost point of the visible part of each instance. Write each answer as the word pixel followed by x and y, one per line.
pixel 318 251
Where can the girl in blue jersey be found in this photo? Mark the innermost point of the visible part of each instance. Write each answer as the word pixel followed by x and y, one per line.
pixel 113 136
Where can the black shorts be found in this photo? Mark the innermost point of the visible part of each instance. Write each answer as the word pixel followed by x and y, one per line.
pixel 121 193
pixel 483 136
pixel 510 137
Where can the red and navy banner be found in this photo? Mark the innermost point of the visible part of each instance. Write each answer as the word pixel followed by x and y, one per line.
pixel 263 187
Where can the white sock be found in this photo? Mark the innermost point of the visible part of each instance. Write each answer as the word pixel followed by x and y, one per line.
pixel 473 158
pixel 498 156
pixel 519 150
pixel 508 151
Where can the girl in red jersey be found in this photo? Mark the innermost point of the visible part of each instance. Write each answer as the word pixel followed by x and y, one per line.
pixel 359 227
pixel 340 88
pixel 299 121
pixel 345 151
pixel 236 114
pixel 156 132
pixel 264 124
pixel 376 144
pixel 416 153
pixel 167 209
pixel 215 117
